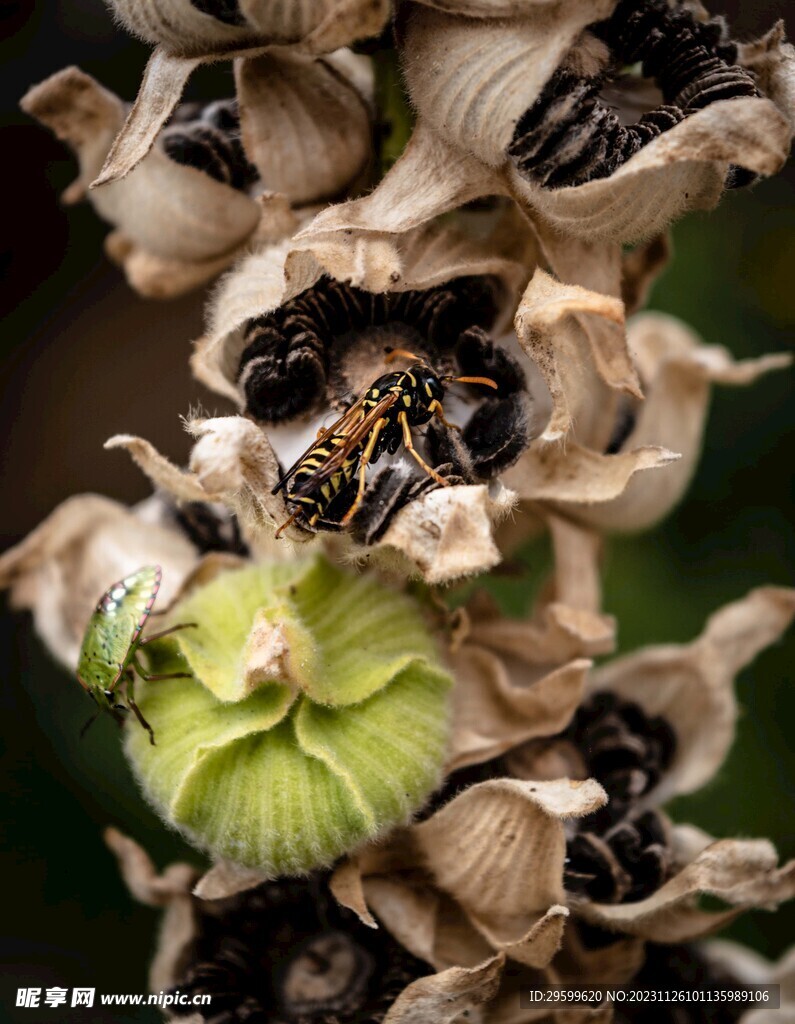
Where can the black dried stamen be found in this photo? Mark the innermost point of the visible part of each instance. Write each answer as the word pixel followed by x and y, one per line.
pixel 210 142
pixel 210 527
pixel 226 11
pixel 570 136
pixel 284 368
pixel 286 953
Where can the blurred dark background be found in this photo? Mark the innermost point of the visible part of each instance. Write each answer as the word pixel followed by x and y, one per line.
pixel 85 358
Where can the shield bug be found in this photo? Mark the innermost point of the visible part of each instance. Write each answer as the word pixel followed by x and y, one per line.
pixel 108 658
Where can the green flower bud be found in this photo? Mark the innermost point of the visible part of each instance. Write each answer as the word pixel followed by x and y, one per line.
pixel 315 717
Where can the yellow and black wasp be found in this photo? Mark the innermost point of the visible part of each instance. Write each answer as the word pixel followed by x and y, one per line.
pixel 379 422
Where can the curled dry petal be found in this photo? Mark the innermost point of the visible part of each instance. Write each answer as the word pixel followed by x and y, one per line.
pixel 568 474
pixel 472 80
pixel 62 568
pixel 446 534
pixel 171 890
pixel 499 848
pixel 495 708
pixel 232 461
pixel 549 325
pixel 305 126
pixel 743 873
pixel 444 997
pixel 692 685
pixel 187 38
pixel 170 217
pixel 225 878
pixel 677 371
pixel 274 274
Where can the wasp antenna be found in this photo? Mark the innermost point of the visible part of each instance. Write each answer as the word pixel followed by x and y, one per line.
pixel 395 353
pixel 473 380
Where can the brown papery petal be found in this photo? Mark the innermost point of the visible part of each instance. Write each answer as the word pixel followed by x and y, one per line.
pixel 304 124
pixel 549 325
pixel 495 708
pixel 225 878
pixel 187 38
pixel 677 372
pixel 567 474
pixel 444 997
pixel 273 274
pixel 446 534
pixel 61 569
pixel 170 890
pixel 232 461
pixel 168 210
pixel 743 873
pixel 682 169
pixel 471 80
pixel 499 848
pixel 692 685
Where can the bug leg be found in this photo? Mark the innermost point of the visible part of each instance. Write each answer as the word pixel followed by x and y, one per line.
pixel 363 461
pixel 130 695
pixel 438 411
pixel 409 444
pixel 89 723
pixel 165 632
pixel 287 522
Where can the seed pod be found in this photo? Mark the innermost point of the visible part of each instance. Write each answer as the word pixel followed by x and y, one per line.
pixel 315 718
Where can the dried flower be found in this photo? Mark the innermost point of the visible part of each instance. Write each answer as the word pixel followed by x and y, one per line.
pixel 523 89
pixel 517 850
pixel 286 950
pixel 191 205
pixel 288 746
pixel 188 35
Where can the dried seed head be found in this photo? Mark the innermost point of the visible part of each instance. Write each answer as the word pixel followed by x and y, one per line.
pixel 570 136
pixel 208 139
pixel 286 951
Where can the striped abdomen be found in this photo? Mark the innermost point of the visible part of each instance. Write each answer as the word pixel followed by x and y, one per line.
pixel 315 500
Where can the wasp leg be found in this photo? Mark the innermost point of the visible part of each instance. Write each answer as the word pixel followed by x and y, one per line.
pixel 436 408
pixel 130 695
pixel 287 522
pixel 165 632
pixel 407 441
pixel 363 461
pixel 396 353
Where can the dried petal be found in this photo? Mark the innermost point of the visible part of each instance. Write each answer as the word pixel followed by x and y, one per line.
pixel 499 847
pixel 167 212
pixel 743 873
pixel 677 371
pixel 187 38
pixel 692 685
pixel 446 534
pixel 305 125
pixel 498 705
pixel 442 998
pixel 549 327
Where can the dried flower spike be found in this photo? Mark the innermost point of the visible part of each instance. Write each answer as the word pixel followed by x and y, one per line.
pixel 315 718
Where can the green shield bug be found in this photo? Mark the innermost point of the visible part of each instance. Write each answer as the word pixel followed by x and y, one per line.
pixel 108 657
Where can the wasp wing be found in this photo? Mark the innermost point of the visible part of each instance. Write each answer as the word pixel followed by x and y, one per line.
pixel 341 453
pixel 335 428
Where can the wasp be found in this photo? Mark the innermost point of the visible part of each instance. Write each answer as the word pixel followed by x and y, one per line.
pixel 378 422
